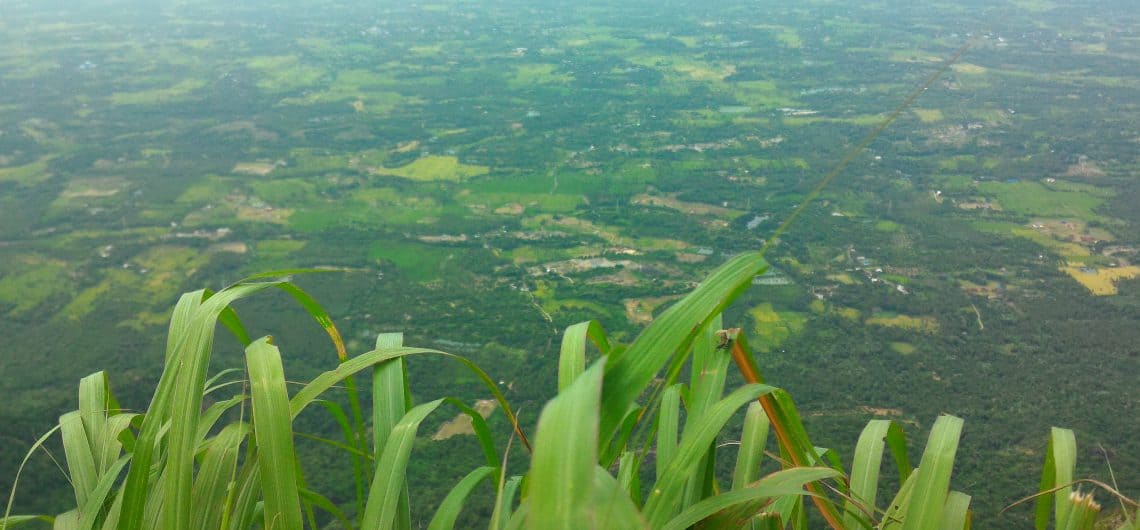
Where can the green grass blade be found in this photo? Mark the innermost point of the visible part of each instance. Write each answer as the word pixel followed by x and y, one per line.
pixel 781 483
pixel 229 318
pixel 13 521
pixel 217 467
pixel 893 516
pixel 178 396
pixel 612 505
pixel 391 399
pixel 482 431
pixel 111 522
pixel 1060 461
pixel 16 482
pixel 896 442
pixel 449 509
pixel 90 513
pixel 629 467
pixel 631 371
pixel 389 479
pixel 504 501
pixel 752 442
pixel 709 370
pixel 327 380
pixel 668 421
pixel 928 500
pixel 273 432
pixel 96 403
pixel 66 521
pixel 518 519
pixel 572 356
pixel 214 413
pixel 242 503
pixel 327 506
pixel 561 478
pixel 310 305
pixel 865 467
pixel 77 454
pixel 956 514
pixel 665 498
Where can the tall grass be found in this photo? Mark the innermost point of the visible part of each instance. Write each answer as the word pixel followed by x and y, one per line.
pixel 234 465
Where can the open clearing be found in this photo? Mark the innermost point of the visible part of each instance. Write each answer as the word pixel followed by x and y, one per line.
pixel 1101 281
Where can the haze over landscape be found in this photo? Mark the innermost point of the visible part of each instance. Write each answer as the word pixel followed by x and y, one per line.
pixel 488 173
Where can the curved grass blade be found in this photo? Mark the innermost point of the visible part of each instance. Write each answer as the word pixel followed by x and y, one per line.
pixel 628 478
pixel 561 479
pixel 90 513
pixel 956 513
pixel 178 397
pixel 273 431
pixel 242 504
pixel 216 470
pixel 96 403
pixel 613 507
pixel 389 478
pixel 315 310
pixel 482 431
pixel 865 469
pixel 504 500
pixel 572 356
pixel 665 498
pixel 77 455
pixel 328 506
pixel 779 484
pixel 631 371
pixel 448 511
pixel 924 511
pixel 214 413
pixel 787 425
pixel 893 516
pixel 326 380
pixel 752 443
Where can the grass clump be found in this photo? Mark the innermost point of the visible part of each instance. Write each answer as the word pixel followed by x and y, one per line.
pixel 217 451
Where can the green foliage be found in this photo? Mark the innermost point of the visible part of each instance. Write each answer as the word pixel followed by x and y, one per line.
pixel 182 465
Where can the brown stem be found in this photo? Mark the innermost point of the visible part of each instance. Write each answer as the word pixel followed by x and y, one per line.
pixel 748 369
